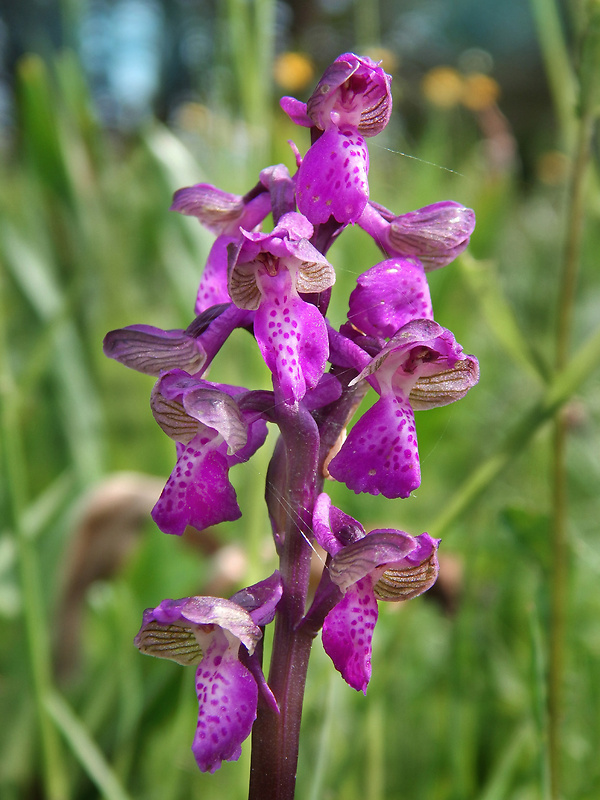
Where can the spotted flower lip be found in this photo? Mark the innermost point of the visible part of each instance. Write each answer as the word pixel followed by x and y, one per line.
pixel 422 366
pixel 385 565
pixel 209 632
pixel 435 234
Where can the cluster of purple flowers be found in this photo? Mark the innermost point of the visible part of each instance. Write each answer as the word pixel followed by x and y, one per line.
pixel 277 286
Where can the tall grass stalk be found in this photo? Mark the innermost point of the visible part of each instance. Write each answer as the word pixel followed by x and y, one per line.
pixel 588 112
pixel 34 617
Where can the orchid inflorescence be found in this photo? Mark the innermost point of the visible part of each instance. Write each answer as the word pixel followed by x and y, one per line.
pixel 277 285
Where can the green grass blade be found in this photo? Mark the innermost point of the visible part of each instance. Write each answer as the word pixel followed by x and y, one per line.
pixel 84 748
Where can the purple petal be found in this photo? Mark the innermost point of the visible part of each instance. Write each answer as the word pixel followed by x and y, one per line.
pixel 421 347
pixel 332 178
pixel 436 234
pixel 213 284
pixel 227 698
pixel 325 392
pixel 296 111
pixel 380 455
pixel 152 350
pixel 348 632
pixel 292 337
pixel 332 528
pixel 260 600
pixel 389 295
pixel 198 492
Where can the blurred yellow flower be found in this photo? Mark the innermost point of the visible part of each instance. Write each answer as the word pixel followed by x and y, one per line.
pixel 293 71
pixel 479 91
pixel 552 168
pixel 443 86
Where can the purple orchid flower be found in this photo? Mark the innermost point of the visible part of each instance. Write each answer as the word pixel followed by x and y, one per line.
pixel 223 214
pixel 267 273
pixel 422 366
pixel 351 101
pixel 385 565
pixel 435 234
pixel 212 434
pixel 212 633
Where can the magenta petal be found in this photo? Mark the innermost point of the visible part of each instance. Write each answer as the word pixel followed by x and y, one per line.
pixel 227 699
pixel 198 492
pixel 389 295
pixel 332 178
pixel 296 111
pixel 260 600
pixel 380 455
pixel 348 632
pixel 332 528
pixel 213 284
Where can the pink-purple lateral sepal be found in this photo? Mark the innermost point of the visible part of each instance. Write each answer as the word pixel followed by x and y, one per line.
pixel 213 283
pixel 389 295
pixel 260 600
pixel 296 111
pixel 353 91
pixel 151 350
pixel 208 631
pixel 221 212
pixel 333 177
pixel 435 234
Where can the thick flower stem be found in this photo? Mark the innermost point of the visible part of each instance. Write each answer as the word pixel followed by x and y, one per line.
pixel 275 737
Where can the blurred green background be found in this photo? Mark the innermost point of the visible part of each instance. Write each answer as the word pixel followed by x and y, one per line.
pixel 106 108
